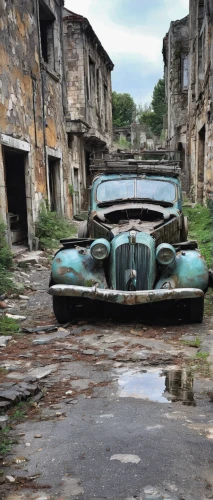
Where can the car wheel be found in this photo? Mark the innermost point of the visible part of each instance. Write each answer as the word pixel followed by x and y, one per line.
pixel 184 233
pixel 196 309
pixel 63 308
pixel 192 309
pixel 83 230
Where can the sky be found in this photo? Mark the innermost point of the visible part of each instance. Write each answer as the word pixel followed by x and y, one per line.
pixel 132 31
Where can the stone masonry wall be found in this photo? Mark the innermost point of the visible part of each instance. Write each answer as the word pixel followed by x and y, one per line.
pixel 32 101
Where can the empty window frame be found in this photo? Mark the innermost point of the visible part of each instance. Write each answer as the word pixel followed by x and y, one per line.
pixel 91 79
pixel 54 184
pixel 184 72
pixel 46 23
pixel 106 106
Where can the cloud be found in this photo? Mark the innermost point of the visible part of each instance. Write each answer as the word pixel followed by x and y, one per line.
pixel 131 31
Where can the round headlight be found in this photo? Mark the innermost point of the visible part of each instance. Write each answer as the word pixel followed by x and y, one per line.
pixel 165 254
pixel 100 249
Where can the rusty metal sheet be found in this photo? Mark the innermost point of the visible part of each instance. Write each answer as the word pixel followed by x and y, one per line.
pixel 125 298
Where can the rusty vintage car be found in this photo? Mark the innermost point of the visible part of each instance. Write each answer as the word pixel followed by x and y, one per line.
pixel 133 248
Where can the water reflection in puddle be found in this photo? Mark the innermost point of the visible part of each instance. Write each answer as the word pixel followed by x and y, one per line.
pixel 157 385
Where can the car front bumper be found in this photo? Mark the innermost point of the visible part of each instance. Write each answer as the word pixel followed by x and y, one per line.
pixel 124 297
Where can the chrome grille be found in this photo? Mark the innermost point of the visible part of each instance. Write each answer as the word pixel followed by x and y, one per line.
pixel 142 265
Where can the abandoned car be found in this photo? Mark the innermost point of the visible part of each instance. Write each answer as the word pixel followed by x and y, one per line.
pixel 133 248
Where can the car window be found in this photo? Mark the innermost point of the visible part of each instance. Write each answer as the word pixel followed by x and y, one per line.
pixel 136 188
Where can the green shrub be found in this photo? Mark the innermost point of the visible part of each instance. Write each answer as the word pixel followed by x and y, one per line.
pixel 5 252
pixel 8 325
pixel 51 227
pixel 6 284
pixel 200 229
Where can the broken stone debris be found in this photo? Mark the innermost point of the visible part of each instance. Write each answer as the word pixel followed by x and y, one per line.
pixel 15 317
pixel 10 395
pixel 3 421
pixel 38 329
pixel 4 340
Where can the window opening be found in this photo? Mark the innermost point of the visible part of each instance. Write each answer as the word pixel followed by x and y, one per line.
pixel 184 72
pixel 91 80
pixel 105 106
pixel 46 21
pixel 54 185
pixel 201 162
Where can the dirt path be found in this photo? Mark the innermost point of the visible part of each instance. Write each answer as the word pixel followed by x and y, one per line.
pixel 119 409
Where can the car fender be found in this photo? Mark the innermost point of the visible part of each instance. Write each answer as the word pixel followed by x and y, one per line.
pixel 189 270
pixel 75 266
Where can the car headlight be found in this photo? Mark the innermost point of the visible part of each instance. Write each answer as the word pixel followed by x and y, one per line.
pixel 100 249
pixel 165 254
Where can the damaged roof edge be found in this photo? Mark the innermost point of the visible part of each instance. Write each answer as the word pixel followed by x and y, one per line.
pixel 72 16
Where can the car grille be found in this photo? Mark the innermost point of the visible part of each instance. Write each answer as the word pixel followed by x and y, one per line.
pixel 141 261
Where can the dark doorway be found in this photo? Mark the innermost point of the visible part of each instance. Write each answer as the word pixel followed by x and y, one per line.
pixel 14 164
pixel 54 184
pixel 201 162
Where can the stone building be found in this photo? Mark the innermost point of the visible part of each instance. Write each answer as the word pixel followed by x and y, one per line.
pixel 175 54
pixel 200 99
pixel 135 136
pixel 89 113
pixel 190 111
pixel 33 140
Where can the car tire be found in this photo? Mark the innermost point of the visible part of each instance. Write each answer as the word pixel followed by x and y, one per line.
pixel 63 309
pixel 192 310
pixel 184 233
pixel 196 310
pixel 83 230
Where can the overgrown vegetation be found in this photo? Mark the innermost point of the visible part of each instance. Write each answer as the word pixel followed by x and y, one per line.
pixel 193 343
pixel 51 227
pixel 6 283
pixel 122 144
pixel 5 441
pixel 8 326
pixel 200 229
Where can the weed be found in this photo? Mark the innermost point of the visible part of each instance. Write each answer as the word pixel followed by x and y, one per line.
pixel 202 355
pixel 51 227
pixel 5 253
pixel 8 325
pixel 71 190
pixel 200 229
pixel 193 343
pixel 18 415
pixel 5 441
pixel 6 284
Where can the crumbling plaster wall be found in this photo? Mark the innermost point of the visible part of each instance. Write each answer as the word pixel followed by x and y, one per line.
pixel 31 108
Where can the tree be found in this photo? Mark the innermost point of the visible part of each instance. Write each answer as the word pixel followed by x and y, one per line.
pixel 151 115
pixel 159 107
pixel 123 109
pixel 145 116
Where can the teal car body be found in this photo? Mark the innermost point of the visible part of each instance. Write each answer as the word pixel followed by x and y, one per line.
pixel 133 249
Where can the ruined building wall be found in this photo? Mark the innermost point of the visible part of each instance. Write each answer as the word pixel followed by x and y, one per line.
pixel 32 126
pixel 89 111
pixel 88 80
pixel 200 113
pixel 175 50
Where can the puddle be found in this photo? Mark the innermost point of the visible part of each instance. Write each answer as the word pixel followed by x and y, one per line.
pixel 160 386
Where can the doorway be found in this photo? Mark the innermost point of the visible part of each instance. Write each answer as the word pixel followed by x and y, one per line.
pixel 201 163
pixel 76 192
pixel 14 166
pixel 54 184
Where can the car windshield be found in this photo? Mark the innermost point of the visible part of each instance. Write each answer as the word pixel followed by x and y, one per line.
pixel 136 188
